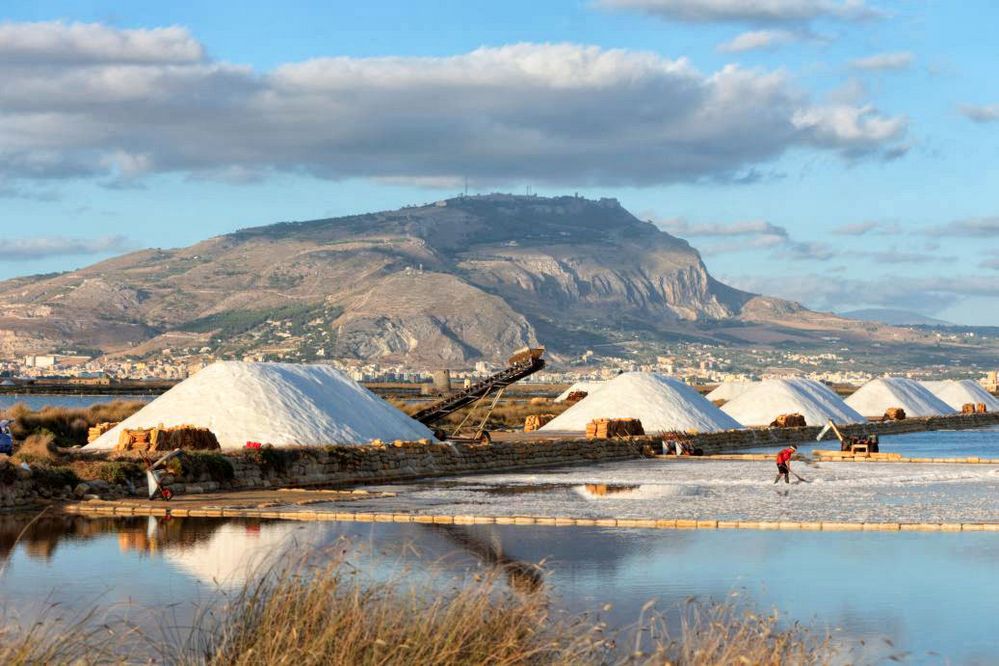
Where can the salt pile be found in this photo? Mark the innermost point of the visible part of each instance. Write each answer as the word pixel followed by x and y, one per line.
pixel 730 390
pixel 661 403
pixel 587 387
pixel 959 393
pixel 273 403
pixel 769 399
pixel 878 395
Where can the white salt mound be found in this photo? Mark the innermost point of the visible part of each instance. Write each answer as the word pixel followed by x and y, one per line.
pixel 877 395
pixel 957 393
pixel 730 390
pixel 661 403
pixel 769 399
pixel 589 387
pixel 282 404
pixel 934 385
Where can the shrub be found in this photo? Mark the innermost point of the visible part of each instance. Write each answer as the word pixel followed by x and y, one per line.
pixel 193 464
pixel 272 459
pixel 39 447
pixel 118 472
pixel 69 426
pixel 54 478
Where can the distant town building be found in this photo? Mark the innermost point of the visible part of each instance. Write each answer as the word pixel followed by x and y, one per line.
pixel 41 361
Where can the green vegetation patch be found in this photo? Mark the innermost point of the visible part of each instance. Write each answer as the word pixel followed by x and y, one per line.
pixel 117 472
pixel 236 322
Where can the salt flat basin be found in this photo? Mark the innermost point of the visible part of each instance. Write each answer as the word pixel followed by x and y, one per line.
pixel 981 443
pixel 923 592
pixel 714 490
pixel 705 489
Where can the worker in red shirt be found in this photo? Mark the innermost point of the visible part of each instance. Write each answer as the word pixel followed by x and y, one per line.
pixel 784 463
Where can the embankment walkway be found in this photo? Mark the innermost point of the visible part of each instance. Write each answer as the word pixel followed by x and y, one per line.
pixel 206 509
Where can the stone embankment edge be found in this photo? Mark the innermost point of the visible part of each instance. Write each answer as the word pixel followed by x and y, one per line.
pixel 340 466
pixel 754 457
pixel 127 510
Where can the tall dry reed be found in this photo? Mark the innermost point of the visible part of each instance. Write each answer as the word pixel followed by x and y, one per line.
pixel 69 425
pixel 304 616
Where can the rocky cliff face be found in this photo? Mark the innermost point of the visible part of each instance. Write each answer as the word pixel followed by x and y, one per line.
pixel 446 283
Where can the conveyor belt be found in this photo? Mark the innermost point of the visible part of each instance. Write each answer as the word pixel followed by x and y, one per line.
pixel 455 401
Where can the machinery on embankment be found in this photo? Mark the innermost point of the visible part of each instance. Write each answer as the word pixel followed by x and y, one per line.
pixel 524 363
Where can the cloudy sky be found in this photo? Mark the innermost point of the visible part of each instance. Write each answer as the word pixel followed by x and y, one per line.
pixel 838 152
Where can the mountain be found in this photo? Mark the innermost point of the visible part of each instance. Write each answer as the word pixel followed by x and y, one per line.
pixel 441 284
pixel 895 317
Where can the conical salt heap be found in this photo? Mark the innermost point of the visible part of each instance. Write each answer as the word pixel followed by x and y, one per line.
pixel 769 399
pixel 958 393
pixel 589 388
pixel 730 390
pixel 282 404
pixel 878 395
pixel 660 403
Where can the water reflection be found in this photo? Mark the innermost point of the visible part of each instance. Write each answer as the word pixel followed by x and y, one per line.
pixel 921 591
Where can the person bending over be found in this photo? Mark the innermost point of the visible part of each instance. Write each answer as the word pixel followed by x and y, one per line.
pixel 784 463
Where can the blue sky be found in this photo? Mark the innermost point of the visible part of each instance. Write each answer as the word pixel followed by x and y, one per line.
pixel 838 153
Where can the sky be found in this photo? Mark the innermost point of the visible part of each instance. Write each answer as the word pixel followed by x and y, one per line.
pixel 841 153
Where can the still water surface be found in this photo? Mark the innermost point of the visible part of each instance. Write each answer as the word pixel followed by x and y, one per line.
pixel 926 593
pixel 37 401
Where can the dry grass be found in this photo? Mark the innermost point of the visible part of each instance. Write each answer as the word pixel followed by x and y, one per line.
pixel 303 616
pixel 299 617
pixel 68 425
pixel 38 448
pixel 726 634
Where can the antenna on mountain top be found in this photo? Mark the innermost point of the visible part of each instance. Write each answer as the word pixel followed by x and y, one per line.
pixel 466 186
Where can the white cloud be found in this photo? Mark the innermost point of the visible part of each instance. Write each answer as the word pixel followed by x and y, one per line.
pixel 681 227
pixel 882 61
pixel 844 126
pixel 750 236
pixel 869 227
pixel 748 11
pixel 39 247
pixel 974 227
pixel 85 43
pixel 829 291
pixel 551 113
pixel 980 114
pixel 758 39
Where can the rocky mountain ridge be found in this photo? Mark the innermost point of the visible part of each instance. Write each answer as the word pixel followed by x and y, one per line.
pixel 446 283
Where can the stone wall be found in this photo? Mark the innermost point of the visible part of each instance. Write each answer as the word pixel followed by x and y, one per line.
pixel 733 440
pixel 349 465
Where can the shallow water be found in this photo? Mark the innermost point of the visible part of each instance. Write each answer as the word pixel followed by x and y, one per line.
pixel 923 592
pixel 37 401
pixel 982 442
pixel 710 490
